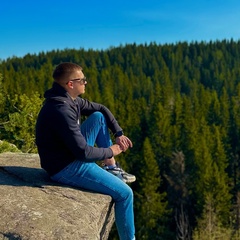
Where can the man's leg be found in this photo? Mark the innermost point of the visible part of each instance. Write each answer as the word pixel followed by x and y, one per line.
pixel 92 177
pixel 95 130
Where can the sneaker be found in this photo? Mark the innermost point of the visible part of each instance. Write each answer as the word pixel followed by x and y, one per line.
pixel 120 173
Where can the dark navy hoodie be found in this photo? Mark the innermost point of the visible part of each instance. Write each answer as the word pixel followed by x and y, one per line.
pixel 58 136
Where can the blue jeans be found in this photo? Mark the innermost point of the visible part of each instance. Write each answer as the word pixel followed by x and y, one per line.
pixel 90 176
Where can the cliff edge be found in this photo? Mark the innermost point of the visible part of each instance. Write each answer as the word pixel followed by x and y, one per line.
pixel 33 207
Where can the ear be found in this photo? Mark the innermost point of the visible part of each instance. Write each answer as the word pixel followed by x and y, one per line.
pixel 70 84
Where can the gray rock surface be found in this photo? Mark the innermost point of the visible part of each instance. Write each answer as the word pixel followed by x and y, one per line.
pixel 32 207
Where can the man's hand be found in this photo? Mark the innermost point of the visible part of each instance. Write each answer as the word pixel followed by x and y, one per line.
pixel 124 142
pixel 116 149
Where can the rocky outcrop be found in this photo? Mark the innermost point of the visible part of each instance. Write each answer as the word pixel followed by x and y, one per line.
pixel 32 207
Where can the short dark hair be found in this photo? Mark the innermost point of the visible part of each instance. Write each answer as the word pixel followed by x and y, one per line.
pixel 64 69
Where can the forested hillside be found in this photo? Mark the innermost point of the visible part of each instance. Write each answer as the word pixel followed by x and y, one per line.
pixel 178 103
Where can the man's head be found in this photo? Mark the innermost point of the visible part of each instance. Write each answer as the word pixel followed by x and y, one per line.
pixel 70 76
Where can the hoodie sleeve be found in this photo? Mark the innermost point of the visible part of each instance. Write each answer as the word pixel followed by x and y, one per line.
pixel 87 108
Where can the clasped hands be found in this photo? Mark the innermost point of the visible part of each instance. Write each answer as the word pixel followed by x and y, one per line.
pixel 122 144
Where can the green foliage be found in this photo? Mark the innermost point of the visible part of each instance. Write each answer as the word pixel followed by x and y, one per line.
pixel 1 92
pixel 8 147
pixel 209 228
pixel 21 123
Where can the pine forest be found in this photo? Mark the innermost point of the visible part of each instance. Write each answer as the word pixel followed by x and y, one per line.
pixel 178 103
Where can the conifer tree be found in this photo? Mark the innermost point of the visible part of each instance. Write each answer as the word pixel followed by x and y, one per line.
pixel 235 140
pixel 211 178
pixel 106 87
pixel 1 94
pixel 178 195
pixel 209 227
pixel 151 204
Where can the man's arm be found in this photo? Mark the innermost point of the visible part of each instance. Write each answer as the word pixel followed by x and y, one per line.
pixel 87 108
pixel 68 130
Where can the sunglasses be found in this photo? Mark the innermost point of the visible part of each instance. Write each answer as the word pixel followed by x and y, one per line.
pixel 80 80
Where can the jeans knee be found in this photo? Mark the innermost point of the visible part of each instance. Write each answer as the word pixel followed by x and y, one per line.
pixel 130 193
pixel 126 194
pixel 98 116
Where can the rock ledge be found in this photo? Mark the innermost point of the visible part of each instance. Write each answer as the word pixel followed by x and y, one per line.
pixel 33 207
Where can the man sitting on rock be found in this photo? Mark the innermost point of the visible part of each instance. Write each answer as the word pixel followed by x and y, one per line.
pixel 67 148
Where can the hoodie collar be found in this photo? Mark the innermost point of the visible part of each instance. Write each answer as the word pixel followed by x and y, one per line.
pixel 57 92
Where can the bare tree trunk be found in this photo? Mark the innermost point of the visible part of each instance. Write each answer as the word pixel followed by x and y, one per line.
pixel 182 222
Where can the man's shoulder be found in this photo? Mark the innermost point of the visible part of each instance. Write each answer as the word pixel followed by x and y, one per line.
pixel 59 100
pixel 81 100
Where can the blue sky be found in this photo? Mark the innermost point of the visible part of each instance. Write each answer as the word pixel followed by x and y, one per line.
pixel 33 26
